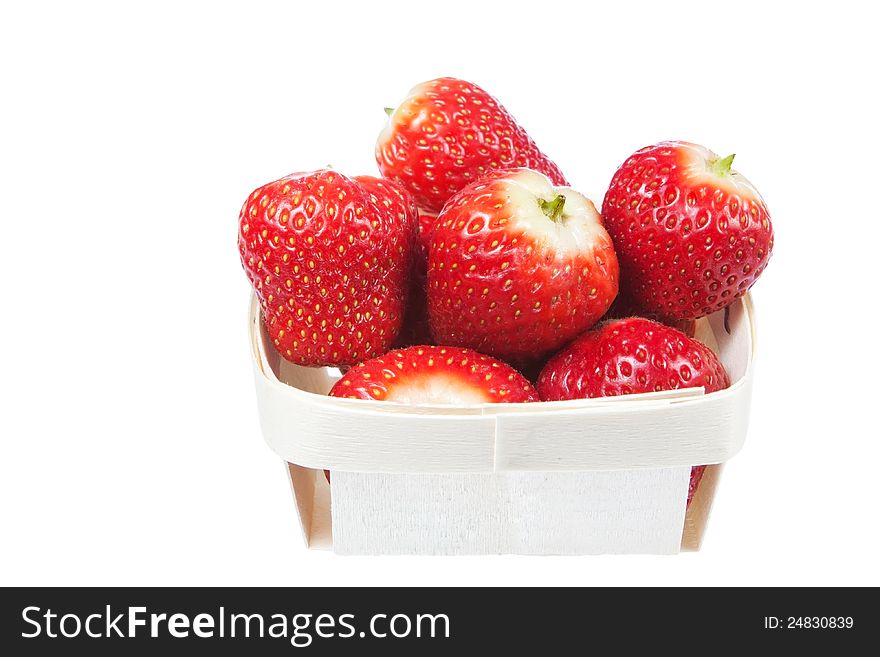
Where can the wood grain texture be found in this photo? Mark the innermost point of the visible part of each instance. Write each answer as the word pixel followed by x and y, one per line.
pixel 563 513
pixel 698 511
pixel 312 495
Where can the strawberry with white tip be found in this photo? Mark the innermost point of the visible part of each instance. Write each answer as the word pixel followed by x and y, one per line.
pixel 518 267
pixel 435 375
pixel 448 133
pixel 692 234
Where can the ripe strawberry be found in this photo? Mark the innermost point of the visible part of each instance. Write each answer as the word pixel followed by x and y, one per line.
pixel 630 356
pixel 435 375
pixel 329 259
pixel 446 134
pixel 624 307
pixel 415 329
pixel 518 267
pixel 691 233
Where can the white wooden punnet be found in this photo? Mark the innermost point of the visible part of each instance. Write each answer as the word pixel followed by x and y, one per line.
pixel 590 476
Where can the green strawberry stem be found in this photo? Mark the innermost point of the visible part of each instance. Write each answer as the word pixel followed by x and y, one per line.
pixel 721 166
pixel 553 209
pixel 389 111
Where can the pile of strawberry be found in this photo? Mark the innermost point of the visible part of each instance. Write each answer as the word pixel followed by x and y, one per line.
pixel 471 266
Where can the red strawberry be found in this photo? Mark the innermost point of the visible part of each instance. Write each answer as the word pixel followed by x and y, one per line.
pixel 623 307
pixel 446 135
pixel 435 375
pixel 415 320
pixel 517 267
pixel 329 259
pixel 630 356
pixel 691 233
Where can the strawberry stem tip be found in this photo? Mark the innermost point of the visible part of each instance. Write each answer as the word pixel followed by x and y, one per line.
pixel 721 166
pixel 553 209
pixel 389 111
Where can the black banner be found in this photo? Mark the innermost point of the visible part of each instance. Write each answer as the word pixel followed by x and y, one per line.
pixel 109 621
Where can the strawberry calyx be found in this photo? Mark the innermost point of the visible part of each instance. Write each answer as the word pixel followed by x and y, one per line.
pixel 721 166
pixel 553 209
pixel 389 111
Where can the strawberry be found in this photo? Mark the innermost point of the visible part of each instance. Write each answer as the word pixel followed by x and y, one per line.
pixel 415 320
pixel 329 259
pixel 623 306
pixel 691 233
pixel 435 375
pixel 517 267
pixel 630 356
pixel 446 134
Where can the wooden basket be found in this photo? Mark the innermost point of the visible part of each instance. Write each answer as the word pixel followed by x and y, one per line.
pixel 590 476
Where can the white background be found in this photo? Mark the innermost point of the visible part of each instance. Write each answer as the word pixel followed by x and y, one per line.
pixel 131 451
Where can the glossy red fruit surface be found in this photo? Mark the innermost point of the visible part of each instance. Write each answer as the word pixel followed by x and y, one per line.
pixel 435 375
pixel 518 267
pixel 624 307
pixel 329 258
pixel 691 233
pixel 630 356
pixel 446 134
